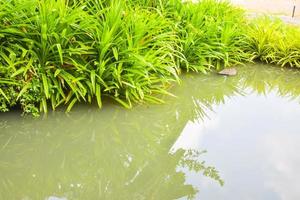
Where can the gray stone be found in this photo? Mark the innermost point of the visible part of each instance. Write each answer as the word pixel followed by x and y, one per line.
pixel 228 72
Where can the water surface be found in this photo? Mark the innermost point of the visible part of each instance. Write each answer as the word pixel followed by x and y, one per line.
pixel 242 131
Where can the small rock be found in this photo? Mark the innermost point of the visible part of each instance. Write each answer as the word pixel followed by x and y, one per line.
pixel 228 72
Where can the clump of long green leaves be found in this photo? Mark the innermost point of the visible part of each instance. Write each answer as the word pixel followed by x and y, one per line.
pixel 136 54
pixel 53 53
pixel 61 52
pixel 273 41
pixel 212 33
pixel 44 50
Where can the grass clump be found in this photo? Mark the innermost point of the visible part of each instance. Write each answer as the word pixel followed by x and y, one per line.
pixel 42 52
pixel 273 41
pixel 213 34
pixel 55 53
pixel 136 53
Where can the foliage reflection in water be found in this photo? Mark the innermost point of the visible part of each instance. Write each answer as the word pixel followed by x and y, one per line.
pixel 107 154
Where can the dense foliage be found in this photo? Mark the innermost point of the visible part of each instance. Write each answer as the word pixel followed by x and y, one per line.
pixel 62 52
pixel 272 41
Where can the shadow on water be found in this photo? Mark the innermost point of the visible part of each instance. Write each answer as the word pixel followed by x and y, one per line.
pixel 115 153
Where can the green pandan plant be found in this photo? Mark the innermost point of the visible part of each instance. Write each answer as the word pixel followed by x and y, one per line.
pixel 273 41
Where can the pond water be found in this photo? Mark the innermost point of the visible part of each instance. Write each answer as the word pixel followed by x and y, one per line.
pixel 221 138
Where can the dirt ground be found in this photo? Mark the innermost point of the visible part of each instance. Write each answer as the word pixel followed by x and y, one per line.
pixel 277 7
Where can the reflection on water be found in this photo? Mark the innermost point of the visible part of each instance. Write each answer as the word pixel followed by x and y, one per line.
pixel 247 124
pixel 112 154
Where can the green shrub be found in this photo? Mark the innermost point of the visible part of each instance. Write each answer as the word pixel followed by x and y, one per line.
pixel 60 54
pixel 212 34
pixel 136 54
pixel 273 41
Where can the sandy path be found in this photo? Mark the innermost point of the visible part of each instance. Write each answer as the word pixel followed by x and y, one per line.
pixel 277 7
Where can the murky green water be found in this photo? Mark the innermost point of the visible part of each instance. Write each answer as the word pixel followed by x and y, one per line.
pixel 243 130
